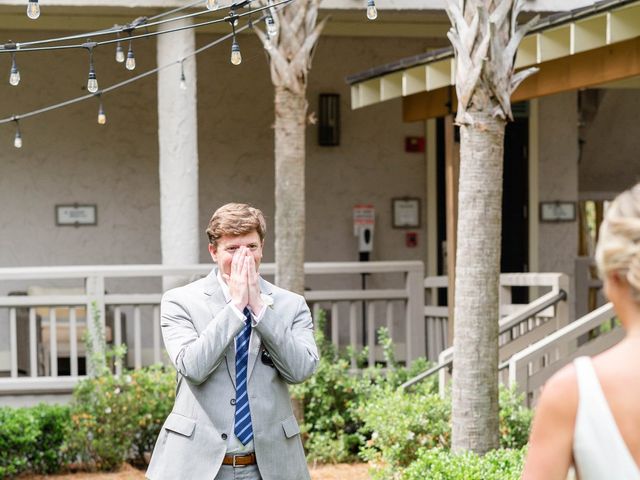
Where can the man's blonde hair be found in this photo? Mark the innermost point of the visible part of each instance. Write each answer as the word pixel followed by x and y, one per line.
pixel 235 219
pixel 618 247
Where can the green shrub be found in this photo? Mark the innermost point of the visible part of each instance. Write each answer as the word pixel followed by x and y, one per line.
pixel 403 423
pixel 440 464
pixel 331 399
pixel 31 439
pixel 515 419
pixel 117 418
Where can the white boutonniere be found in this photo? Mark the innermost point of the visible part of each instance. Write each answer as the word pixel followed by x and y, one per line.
pixel 267 299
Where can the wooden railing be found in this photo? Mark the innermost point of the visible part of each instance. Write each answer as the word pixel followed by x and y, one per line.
pixel 517 329
pixel 45 328
pixel 530 368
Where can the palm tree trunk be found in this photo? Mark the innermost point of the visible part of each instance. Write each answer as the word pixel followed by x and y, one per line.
pixel 290 112
pixel 475 374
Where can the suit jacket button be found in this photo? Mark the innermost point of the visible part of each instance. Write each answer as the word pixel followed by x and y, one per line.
pixel 224 436
pixel 233 401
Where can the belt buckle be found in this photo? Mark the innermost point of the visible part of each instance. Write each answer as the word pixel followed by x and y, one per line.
pixel 234 461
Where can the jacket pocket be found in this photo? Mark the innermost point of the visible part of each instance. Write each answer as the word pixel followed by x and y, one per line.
pixel 180 424
pixel 290 427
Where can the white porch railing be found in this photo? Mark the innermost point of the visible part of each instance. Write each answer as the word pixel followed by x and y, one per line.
pixel 517 328
pixel 530 368
pixel 45 328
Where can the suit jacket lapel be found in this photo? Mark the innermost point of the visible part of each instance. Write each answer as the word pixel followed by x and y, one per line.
pixel 256 341
pixel 216 302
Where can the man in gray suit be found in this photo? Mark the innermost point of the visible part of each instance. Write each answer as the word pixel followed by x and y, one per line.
pixel 236 342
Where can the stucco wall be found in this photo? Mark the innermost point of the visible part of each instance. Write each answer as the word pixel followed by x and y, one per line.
pixel 610 162
pixel 558 179
pixel 68 158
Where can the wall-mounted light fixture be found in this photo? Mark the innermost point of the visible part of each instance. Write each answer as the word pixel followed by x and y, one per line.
pixel 329 120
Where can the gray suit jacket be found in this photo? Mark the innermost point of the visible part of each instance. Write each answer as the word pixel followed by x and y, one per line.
pixel 199 328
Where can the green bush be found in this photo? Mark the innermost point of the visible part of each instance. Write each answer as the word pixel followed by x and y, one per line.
pixel 31 439
pixel 118 418
pixel 331 399
pixel 401 424
pixel 440 464
pixel 404 423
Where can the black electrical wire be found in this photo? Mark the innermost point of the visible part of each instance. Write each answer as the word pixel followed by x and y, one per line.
pixel 116 86
pixel 140 22
pixel 15 47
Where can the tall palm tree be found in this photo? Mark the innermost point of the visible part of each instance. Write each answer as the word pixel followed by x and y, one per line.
pixel 485 36
pixel 290 39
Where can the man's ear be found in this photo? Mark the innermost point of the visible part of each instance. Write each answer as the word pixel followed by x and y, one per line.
pixel 213 251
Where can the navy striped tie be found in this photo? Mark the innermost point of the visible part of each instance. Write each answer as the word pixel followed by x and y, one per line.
pixel 242 427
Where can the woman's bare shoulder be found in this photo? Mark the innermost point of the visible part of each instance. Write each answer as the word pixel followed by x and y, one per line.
pixel 560 393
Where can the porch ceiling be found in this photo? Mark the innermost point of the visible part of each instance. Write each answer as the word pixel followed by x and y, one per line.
pixel 585 48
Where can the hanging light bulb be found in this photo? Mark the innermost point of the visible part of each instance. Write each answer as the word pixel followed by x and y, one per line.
pixel 183 79
pixel 33 9
pixel 92 82
pixel 17 140
pixel 102 117
pixel 119 52
pixel 236 56
pixel 131 58
pixel 212 4
pixel 14 76
pixel 372 12
pixel 272 28
pixel 233 19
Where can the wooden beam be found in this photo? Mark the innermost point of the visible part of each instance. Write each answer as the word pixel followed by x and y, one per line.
pixel 583 70
pixel 592 68
pixel 433 104
pixel 452 173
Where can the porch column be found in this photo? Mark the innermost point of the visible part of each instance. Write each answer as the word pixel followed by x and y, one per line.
pixel 178 142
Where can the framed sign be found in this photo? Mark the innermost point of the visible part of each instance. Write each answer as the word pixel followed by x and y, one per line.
pixel 76 215
pixel 405 212
pixel 557 211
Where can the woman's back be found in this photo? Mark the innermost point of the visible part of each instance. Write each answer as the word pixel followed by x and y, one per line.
pixel 605 439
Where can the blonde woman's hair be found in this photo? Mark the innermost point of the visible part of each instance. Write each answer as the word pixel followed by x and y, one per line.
pixel 235 219
pixel 618 247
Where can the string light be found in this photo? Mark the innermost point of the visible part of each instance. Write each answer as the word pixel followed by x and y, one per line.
pixel 33 9
pixel 17 140
pixel 131 58
pixel 372 12
pixel 236 56
pixel 92 82
pixel 102 117
pixel 183 79
pixel 272 28
pixel 119 51
pixel 6 48
pixel 212 4
pixel 14 75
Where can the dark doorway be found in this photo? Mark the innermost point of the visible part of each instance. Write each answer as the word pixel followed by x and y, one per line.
pixel 515 226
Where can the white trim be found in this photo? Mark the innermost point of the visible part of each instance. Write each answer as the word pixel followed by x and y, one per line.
pixel 431 196
pixel 534 186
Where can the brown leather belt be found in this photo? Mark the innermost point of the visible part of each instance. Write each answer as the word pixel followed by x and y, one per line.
pixel 240 460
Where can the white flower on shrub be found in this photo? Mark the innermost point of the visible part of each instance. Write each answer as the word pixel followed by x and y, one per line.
pixel 107 410
pixel 374 435
pixel 410 435
pixel 117 391
pixel 128 378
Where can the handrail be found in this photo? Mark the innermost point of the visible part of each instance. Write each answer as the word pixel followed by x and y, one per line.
pixel 535 307
pixel 506 324
pixel 425 374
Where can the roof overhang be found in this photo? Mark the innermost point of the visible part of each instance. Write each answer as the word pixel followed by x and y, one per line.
pixel 585 48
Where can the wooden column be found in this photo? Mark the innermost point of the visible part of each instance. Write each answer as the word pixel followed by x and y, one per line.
pixel 452 173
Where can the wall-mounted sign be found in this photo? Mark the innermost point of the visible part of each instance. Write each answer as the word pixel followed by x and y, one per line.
pixel 76 215
pixel 557 211
pixel 405 212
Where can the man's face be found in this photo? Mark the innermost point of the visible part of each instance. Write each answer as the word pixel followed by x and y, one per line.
pixel 227 245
